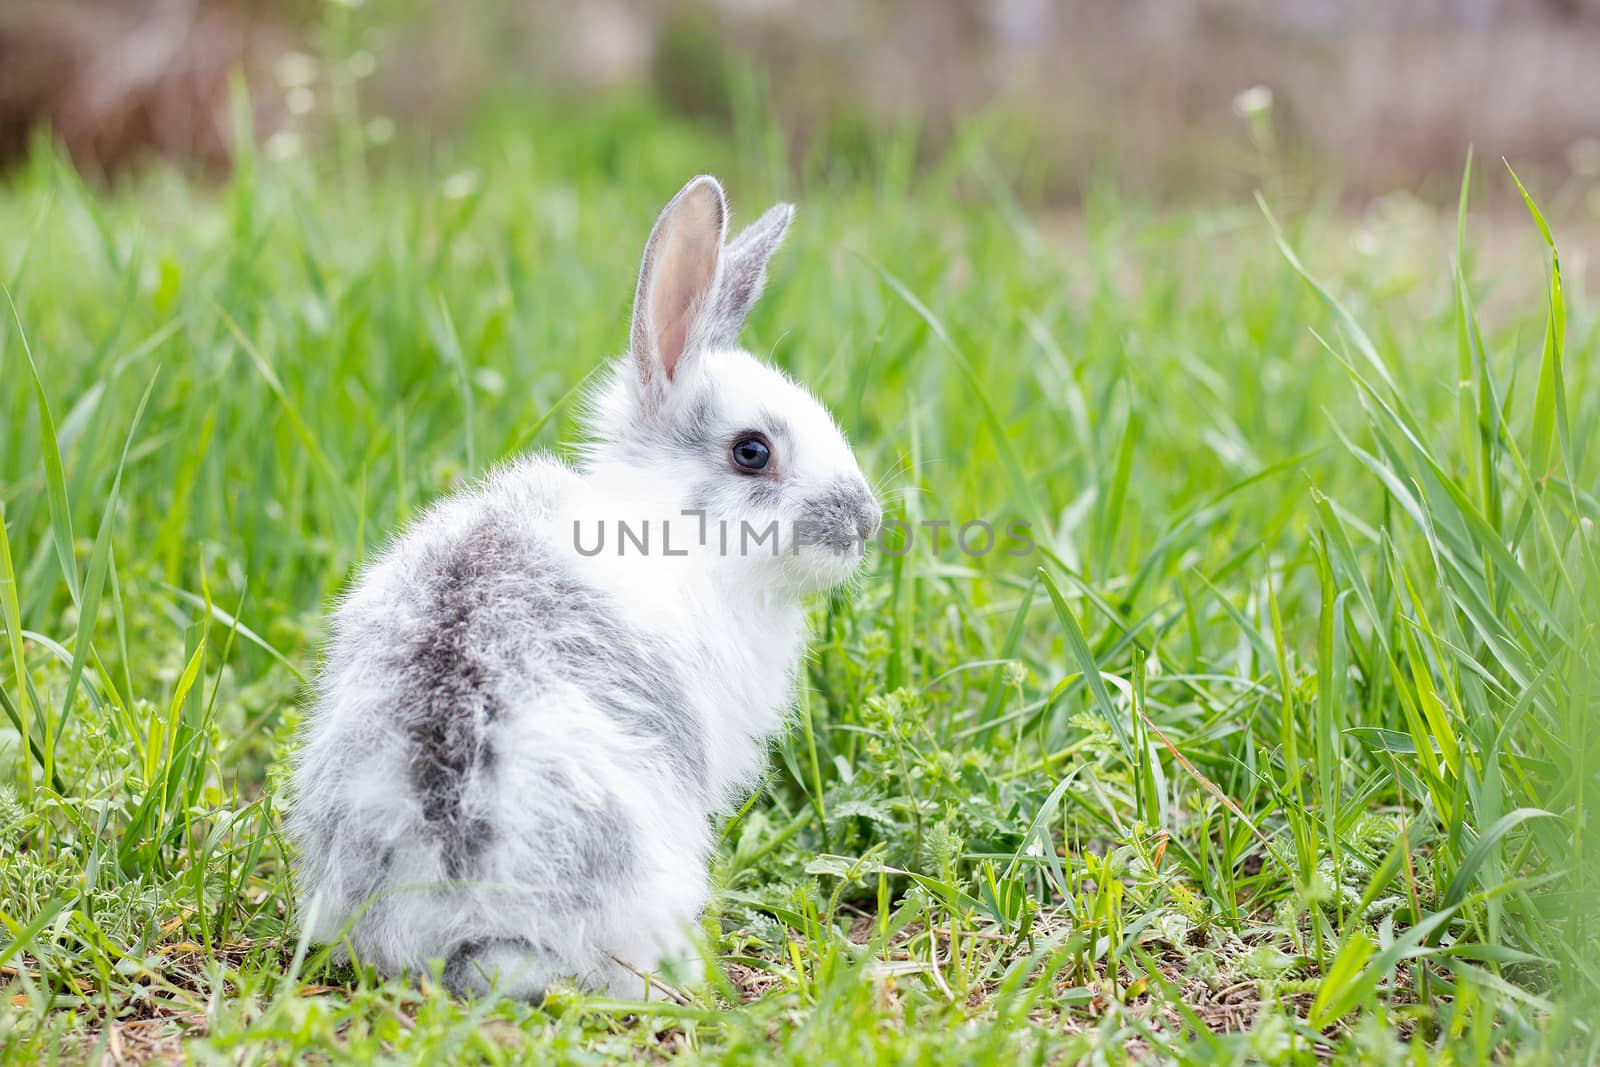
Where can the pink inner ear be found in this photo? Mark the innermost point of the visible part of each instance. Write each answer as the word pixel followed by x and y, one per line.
pixel 684 275
pixel 670 340
pixel 673 302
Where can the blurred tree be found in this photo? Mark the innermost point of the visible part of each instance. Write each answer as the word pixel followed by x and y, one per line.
pixel 114 80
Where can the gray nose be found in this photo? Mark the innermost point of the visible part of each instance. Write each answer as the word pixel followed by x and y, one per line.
pixel 844 516
pixel 869 516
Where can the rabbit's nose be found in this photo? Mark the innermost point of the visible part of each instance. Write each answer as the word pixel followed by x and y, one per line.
pixel 869 517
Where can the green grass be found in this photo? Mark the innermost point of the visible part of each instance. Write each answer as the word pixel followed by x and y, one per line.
pixel 1283 746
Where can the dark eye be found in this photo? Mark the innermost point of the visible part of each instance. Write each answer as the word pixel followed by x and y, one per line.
pixel 752 453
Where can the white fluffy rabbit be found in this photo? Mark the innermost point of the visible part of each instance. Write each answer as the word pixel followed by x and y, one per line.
pixel 537 698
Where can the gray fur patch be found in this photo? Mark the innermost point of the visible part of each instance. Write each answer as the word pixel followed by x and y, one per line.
pixel 695 432
pixel 447 673
pixel 464 971
pixel 844 516
pixel 351 868
pixel 493 602
pixel 764 492
pixel 598 844
pixel 372 859
pixel 460 966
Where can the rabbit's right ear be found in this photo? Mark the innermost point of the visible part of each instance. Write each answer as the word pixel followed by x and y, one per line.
pixel 678 283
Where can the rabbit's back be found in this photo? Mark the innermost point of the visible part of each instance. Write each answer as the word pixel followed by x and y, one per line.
pixel 491 726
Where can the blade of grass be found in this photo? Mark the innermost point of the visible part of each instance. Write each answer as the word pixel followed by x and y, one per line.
pixel 55 479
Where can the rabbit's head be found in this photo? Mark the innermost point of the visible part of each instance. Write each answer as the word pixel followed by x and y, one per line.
pixel 692 419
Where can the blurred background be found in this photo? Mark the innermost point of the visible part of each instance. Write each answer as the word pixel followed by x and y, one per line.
pixel 1175 99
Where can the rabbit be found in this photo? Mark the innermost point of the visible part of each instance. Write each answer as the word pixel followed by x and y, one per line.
pixel 518 742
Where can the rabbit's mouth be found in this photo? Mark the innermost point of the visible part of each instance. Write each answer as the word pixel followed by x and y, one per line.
pixel 819 567
pixel 830 549
pixel 828 538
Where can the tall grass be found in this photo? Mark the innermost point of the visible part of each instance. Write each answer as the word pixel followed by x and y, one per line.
pixel 1279 745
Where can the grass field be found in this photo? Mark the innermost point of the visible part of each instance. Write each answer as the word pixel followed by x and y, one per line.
pixel 1281 747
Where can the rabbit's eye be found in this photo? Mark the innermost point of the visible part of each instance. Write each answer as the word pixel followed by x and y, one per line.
pixel 752 453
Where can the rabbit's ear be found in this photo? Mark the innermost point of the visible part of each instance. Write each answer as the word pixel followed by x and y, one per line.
pixel 744 270
pixel 678 282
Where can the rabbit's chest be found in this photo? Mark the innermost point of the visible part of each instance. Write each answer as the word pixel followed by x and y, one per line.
pixel 748 688
pixel 738 669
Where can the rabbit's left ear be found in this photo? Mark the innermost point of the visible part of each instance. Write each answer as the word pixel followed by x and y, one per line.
pixel 676 302
pixel 744 271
